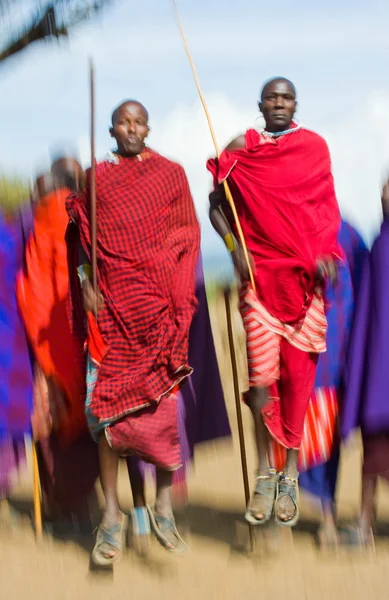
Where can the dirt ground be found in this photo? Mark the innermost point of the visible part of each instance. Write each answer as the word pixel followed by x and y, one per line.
pixel 219 565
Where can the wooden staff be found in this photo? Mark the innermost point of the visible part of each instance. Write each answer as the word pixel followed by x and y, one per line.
pixel 242 446
pixel 93 217
pixel 213 135
pixel 227 293
pixel 37 494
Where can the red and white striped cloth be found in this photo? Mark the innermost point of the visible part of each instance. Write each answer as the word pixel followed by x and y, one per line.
pixel 264 333
pixel 319 431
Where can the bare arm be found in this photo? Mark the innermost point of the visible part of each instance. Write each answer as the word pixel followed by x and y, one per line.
pixel 237 144
pixel 82 257
pixel 220 213
pixel 93 302
pixel 221 218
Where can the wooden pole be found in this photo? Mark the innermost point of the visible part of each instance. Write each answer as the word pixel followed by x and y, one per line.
pixel 213 135
pixel 238 406
pixel 93 216
pixel 227 293
pixel 37 494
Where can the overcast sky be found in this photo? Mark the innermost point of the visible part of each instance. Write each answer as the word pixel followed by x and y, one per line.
pixel 337 53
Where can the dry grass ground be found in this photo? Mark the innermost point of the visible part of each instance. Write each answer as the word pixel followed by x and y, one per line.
pixel 218 567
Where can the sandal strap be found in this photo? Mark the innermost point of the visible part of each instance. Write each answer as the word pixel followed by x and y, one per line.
pixel 111 534
pixel 165 524
pixel 107 536
pixel 287 486
pixel 285 477
pixel 265 483
pixel 263 486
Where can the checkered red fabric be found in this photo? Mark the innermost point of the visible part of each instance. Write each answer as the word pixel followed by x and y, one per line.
pixel 148 240
pixel 150 433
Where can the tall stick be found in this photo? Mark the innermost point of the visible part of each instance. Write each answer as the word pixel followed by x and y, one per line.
pixel 213 135
pixel 227 293
pixel 242 445
pixel 93 217
pixel 37 494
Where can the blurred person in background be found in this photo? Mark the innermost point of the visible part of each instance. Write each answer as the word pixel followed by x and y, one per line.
pixel 148 241
pixel 67 458
pixel 366 403
pixel 320 446
pixel 282 184
pixel 16 378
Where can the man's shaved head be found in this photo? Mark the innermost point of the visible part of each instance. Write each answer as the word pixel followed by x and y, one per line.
pixel 67 172
pixel 274 80
pixel 123 105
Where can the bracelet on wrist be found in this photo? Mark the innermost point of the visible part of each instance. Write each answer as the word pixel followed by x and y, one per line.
pixel 84 272
pixel 230 242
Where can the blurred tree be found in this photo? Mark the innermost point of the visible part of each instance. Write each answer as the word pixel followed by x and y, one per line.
pixel 14 191
pixel 24 22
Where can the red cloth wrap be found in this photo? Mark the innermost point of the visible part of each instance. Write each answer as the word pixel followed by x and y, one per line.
pixel 148 241
pixel 42 292
pixel 151 434
pixel 285 199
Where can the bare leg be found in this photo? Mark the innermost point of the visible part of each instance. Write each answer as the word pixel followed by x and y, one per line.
pixel 328 533
pixel 163 503
pixel 257 399
pixel 369 485
pixel 291 464
pixel 328 513
pixel 140 524
pixel 362 535
pixel 137 484
pixel 109 462
pixel 263 499
pixel 164 514
pixel 285 506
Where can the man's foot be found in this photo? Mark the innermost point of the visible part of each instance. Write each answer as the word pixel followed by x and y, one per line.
pixel 358 537
pixel 166 532
pixel 286 504
pixel 261 506
pixel 110 540
pixel 328 537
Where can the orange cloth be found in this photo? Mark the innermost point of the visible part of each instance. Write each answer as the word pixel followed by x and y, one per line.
pixel 42 292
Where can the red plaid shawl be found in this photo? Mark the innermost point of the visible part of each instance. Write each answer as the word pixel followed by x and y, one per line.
pixel 148 244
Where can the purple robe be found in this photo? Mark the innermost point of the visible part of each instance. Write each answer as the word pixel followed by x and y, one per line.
pixel 320 480
pixel 366 403
pixel 15 361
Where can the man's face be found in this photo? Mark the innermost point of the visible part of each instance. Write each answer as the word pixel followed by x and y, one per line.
pixel 278 105
pixel 130 129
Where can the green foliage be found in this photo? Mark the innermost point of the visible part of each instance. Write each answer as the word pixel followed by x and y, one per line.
pixel 14 192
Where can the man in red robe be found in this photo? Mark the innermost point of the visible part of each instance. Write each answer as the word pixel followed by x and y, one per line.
pixel 283 189
pixel 67 456
pixel 148 241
